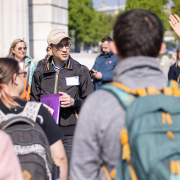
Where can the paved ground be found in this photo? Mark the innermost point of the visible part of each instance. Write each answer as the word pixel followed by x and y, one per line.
pixel 88 60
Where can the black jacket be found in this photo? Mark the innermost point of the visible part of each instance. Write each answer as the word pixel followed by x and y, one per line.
pixel 52 82
pixel 174 72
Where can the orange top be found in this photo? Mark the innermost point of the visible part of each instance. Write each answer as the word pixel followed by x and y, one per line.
pixel 25 94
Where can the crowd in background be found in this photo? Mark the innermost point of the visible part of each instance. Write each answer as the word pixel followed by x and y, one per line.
pixel 85 144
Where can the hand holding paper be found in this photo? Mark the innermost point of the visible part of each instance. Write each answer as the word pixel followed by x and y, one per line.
pixel 66 100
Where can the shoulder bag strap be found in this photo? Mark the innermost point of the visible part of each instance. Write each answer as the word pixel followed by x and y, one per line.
pixel 78 74
pixel 41 74
pixel 78 69
pixel 31 110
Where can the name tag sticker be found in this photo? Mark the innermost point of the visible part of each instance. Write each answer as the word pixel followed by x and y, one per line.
pixel 72 81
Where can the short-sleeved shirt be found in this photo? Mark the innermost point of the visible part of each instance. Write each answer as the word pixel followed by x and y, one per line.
pixel 44 119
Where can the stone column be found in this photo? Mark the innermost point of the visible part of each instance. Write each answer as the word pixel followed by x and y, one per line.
pixel 14 23
pixel 44 16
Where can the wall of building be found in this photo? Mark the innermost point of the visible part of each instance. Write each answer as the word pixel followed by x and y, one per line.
pixel 44 16
pixel 14 23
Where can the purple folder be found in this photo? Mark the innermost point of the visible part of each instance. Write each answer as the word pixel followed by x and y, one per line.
pixel 53 101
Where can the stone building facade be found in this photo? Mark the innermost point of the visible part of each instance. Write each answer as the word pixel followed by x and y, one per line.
pixel 31 20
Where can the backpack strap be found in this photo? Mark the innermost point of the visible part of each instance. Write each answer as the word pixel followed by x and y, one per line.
pixel 78 69
pixel 29 67
pixel 125 97
pixel 31 110
pixel 3 117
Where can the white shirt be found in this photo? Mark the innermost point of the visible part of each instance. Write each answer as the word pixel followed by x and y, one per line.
pixel 21 64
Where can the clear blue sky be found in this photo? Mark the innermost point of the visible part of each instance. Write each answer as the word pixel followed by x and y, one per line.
pixel 97 3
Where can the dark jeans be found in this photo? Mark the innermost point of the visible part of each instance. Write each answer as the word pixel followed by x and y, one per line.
pixel 67 142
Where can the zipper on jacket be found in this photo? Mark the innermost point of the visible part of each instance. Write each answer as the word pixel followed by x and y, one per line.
pixel 56 82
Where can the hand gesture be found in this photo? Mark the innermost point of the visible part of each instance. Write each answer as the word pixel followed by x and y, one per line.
pixel 66 100
pixel 175 24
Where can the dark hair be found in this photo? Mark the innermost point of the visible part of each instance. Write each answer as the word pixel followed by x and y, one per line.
pixel 8 67
pixel 108 39
pixel 138 32
pixel 177 57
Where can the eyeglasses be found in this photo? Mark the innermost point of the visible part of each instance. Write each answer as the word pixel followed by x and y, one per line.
pixel 20 48
pixel 60 47
pixel 24 74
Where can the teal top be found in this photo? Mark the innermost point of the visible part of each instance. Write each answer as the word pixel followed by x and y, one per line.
pixel 28 60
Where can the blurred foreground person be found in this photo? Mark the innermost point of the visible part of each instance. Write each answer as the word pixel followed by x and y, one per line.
pixel 138 36
pixel 11 86
pixel 9 163
pixel 48 55
pixel 18 51
pixel 102 71
pixel 174 70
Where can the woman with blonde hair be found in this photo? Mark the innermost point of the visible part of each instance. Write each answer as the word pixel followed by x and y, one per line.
pixel 174 70
pixel 17 51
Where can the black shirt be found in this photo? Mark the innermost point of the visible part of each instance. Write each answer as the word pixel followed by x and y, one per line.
pixel 44 119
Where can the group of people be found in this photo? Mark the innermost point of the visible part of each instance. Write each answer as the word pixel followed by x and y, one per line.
pixel 88 134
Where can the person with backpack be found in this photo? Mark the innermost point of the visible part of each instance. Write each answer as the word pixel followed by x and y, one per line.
pixel 33 130
pixel 9 164
pixel 18 51
pixel 100 133
pixel 62 74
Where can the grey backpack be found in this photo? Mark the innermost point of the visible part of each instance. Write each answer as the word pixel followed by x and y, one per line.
pixel 30 143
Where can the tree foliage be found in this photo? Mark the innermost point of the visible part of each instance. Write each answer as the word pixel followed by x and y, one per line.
pixel 89 25
pixel 176 8
pixel 155 6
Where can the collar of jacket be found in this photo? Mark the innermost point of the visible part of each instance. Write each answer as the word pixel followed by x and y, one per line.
pixel 27 59
pixel 68 65
pixel 107 55
pixel 140 71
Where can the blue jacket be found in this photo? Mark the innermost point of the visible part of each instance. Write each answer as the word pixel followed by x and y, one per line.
pixel 104 64
pixel 173 72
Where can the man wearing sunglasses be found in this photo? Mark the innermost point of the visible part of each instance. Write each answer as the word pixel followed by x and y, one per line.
pixel 62 74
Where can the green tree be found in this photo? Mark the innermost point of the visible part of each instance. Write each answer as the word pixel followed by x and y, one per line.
pixel 151 5
pixel 176 8
pixel 90 26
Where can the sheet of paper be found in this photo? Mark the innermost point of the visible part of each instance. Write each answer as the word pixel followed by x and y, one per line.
pixel 72 81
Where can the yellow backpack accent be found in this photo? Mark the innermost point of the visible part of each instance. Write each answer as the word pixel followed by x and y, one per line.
pixel 26 175
pixel 171 135
pixel 126 153
pixel 174 167
pixel 168 91
pixel 123 87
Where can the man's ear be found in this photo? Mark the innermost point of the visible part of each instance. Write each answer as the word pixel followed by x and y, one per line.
pixel 14 79
pixel 114 49
pixel 162 49
pixel 49 48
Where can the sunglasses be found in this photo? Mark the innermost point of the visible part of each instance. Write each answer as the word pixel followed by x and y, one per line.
pixel 59 47
pixel 20 48
pixel 24 74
